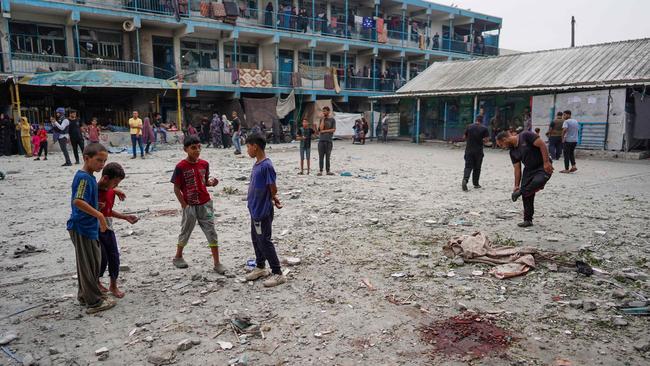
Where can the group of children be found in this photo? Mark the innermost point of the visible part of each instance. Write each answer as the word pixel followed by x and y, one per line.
pixel 34 137
pixel 92 233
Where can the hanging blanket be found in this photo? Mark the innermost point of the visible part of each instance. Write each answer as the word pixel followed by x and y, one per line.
pixel 205 9
pixel 260 110
pixel 329 81
pixel 218 10
pixel 312 111
pixel 313 73
pixel 345 123
pixel 285 106
pixel 252 78
pixel 232 10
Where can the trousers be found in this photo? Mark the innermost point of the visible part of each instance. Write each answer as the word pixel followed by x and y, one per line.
pixel 88 256
pixel 261 232
pixel 555 147
pixel 324 154
pixel 110 254
pixel 77 144
pixel 569 154
pixel 63 143
pixel 532 182
pixel 236 141
pixel 473 162
pixel 137 139
pixel 43 147
pixel 204 215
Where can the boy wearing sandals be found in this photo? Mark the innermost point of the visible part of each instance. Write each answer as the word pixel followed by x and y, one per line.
pixel 191 178
pixel 85 222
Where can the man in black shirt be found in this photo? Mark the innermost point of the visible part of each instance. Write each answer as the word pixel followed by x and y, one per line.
pixel 475 136
pixel 76 139
pixel 527 149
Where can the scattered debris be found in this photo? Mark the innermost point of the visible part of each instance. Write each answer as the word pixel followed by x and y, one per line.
pixel 225 345
pixel 101 351
pixel 27 250
pixel 184 345
pixel 369 285
pixel 165 356
pixel 8 338
pixel 584 268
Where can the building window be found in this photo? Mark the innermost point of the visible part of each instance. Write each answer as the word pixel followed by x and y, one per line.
pixel 199 54
pixel 337 62
pixel 247 57
pixel 99 43
pixel 37 39
pixel 415 69
pixel 304 58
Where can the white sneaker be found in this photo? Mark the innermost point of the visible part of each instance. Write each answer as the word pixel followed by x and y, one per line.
pixel 257 273
pixel 275 280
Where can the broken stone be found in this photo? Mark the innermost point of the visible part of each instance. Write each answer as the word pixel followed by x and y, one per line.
pixel 103 357
pixel 291 261
pixel 53 351
pixel 430 222
pixel 224 345
pixel 101 351
pixel 577 304
pixel 184 345
pixel 619 293
pixel 124 268
pixel 162 357
pixel 553 239
pixel 398 275
pixel 417 254
pixel 619 322
pixel 589 305
pixel 196 341
pixel 28 360
pixel 154 273
pixel 197 302
pixel 460 306
pixel 477 273
pixel 374 221
pixel 8 338
pixel 148 339
pixel 600 232
pixel 458 261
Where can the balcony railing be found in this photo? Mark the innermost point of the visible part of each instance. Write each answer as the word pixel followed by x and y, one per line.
pixel 283 20
pixel 315 81
pixel 27 63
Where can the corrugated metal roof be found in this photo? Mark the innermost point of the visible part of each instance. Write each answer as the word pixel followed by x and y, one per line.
pixel 609 64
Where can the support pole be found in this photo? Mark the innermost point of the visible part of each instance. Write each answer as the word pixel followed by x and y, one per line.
pixel 76 41
pixel 609 103
pixel 444 126
pixel 178 101
pixel 475 109
pixel 372 119
pixel 137 51
pixel 17 100
pixel 417 121
pixel 345 61
pixel 347 31
pixel 471 38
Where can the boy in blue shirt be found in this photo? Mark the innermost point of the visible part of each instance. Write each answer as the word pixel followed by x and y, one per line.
pixel 262 196
pixel 84 225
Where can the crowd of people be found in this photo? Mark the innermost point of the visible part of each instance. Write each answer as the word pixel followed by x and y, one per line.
pixel 526 148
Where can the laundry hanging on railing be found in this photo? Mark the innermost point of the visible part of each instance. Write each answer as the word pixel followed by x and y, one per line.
pixel 382 34
pixel 296 80
pixel 368 23
pixel 252 78
pixel 218 10
pixel 286 106
pixel 232 12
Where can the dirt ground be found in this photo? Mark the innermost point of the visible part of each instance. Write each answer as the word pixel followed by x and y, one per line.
pixel 400 198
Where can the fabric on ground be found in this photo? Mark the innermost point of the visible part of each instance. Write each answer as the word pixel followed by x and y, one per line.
pixel 510 261
pixel 286 106
pixel 258 110
pixel 252 78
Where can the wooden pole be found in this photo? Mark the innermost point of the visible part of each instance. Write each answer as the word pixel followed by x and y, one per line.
pixel 178 100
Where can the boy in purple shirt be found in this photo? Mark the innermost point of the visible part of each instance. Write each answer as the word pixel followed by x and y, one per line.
pixel 262 197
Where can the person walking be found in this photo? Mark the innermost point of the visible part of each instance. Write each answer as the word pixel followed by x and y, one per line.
pixel 475 136
pixel 216 130
pixel 326 129
pixel 135 129
pixel 60 126
pixel 76 138
pixel 148 136
pixel 555 136
pixel 529 150
pixel 570 129
pixel 236 133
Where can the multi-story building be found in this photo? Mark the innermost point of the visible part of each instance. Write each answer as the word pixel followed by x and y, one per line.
pixel 344 50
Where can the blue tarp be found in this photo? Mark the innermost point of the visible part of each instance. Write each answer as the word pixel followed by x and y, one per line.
pixel 96 79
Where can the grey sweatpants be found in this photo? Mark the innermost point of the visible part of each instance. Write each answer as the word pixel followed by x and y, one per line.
pixel 88 254
pixel 204 214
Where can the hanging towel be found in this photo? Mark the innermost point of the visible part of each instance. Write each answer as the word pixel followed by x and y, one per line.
pixel 205 9
pixel 218 10
pixel 329 81
pixel 368 23
pixel 296 80
pixel 358 20
pixel 383 36
pixel 234 75
pixel 337 87
pixel 285 106
pixel 380 25
pixel 421 41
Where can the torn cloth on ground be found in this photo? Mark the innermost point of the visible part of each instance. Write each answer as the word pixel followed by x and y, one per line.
pixel 510 261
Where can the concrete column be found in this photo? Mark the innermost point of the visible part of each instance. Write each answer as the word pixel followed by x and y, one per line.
pixel 383 65
pixel 408 70
pixel 295 60
pixel 329 11
pixel 222 55
pixel 328 59
pixel 177 53
pixel 69 40
pixel 4 43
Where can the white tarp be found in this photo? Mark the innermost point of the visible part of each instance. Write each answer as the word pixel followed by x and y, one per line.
pixel 345 123
pixel 286 106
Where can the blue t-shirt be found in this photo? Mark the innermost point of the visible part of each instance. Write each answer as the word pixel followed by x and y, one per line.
pixel 84 187
pixel 260 205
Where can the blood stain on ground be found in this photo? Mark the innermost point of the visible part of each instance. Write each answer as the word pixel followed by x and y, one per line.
pixel 465 335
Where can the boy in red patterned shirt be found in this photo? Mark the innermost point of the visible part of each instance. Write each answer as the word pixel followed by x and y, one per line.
pixel 191 178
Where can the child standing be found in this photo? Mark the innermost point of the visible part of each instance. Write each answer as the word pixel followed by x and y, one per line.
pixel 36 141
pixel 262 196
pixel 304 136
pixel 93 131
pixel 84 225
pixel 191 178
pixel 112 175
pixel 42 136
